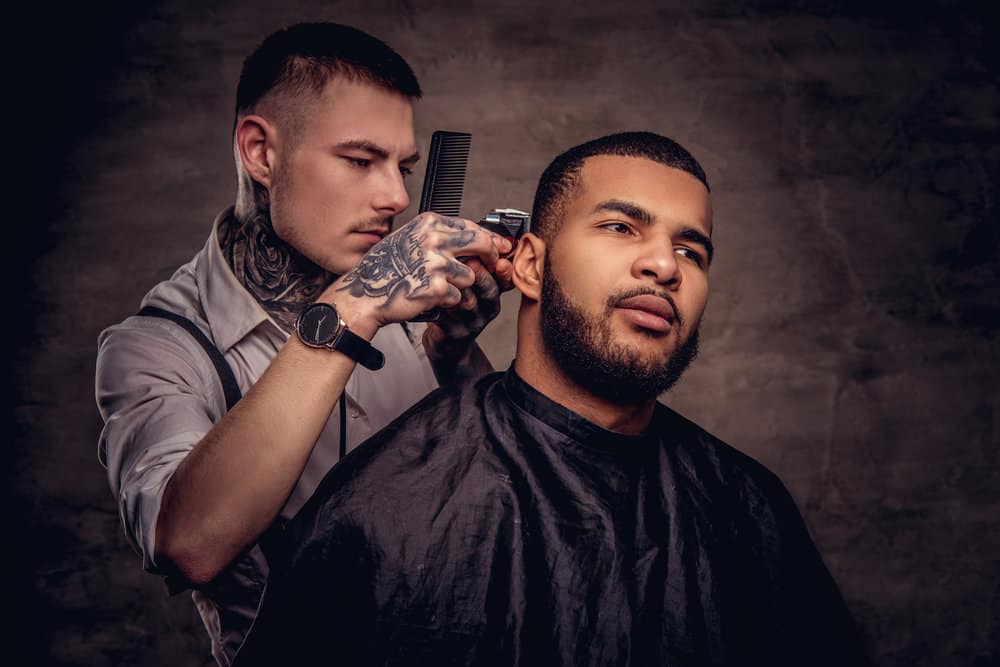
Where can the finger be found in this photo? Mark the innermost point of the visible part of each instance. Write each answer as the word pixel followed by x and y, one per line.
pixel 503 271
pixel 504 274
pixel 467 302
pixel 450 221
pixel 469 299
pixel 445 293
pixel 432 220
pixel 436 233
pixel 487 297
pixel 503 244
pixel 458 274
pixel 471 242
pixel 486 286
pixel 475 264
pixel 479 305
pixel 453 298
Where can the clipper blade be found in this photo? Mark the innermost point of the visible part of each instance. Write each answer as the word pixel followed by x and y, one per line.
pixel 444 180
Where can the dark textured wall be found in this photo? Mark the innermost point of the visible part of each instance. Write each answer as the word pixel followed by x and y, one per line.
pixel 851 338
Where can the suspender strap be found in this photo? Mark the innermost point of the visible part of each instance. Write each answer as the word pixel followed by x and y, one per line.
pixel 222 369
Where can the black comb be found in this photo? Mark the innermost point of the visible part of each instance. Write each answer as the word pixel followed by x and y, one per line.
pixel 445 176
pixel 444 181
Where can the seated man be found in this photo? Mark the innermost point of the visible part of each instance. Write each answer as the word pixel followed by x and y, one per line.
pixel 557 514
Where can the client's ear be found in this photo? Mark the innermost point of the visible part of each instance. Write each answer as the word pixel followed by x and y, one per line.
pixel 529 259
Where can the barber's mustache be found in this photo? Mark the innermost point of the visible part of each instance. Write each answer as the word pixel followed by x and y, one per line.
pixel 617 298
pixel 377 224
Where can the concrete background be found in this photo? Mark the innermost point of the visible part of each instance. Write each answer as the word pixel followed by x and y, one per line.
pixel 851 338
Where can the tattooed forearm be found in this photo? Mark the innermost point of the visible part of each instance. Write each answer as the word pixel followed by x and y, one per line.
pixel 281 279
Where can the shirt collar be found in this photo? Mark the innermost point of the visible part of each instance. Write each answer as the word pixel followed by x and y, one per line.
pixel 231 310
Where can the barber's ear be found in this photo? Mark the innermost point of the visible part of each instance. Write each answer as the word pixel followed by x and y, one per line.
pixel 529 259
pixel 255 144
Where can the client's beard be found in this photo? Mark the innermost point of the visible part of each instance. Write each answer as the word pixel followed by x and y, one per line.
pixel 583 347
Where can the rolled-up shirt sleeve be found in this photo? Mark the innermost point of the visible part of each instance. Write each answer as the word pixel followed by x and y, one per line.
pixel 158 395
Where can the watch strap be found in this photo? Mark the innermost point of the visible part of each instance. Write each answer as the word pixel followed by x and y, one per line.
pixel 359 349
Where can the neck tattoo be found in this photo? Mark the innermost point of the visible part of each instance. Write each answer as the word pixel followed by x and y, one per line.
pixel 281 279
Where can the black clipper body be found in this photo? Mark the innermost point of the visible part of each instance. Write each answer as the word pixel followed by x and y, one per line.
pixel 509 223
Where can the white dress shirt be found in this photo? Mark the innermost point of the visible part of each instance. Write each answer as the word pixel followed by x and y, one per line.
pixel 159 394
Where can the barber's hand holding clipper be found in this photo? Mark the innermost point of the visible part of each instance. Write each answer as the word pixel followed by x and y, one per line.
pixel 417 268
pixel 448 271
pixel 452 331
pixel 480 303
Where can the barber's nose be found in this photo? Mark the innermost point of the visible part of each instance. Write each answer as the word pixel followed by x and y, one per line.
pixel 658 261
pixel 392 196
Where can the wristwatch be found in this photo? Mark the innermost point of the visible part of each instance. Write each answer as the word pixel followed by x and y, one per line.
pixel 319 325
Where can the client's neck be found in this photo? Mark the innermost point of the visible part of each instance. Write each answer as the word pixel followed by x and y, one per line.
pixel 538 369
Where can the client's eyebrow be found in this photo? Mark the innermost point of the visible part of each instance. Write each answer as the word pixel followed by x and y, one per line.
pixel 373 148
pixel 633 211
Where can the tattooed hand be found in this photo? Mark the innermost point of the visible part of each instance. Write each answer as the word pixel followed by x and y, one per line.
pixel 480 303
pixel 416 269
pixel 450 341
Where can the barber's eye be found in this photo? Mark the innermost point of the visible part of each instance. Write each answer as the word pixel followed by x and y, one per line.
pixel 359 162
pixel 405 171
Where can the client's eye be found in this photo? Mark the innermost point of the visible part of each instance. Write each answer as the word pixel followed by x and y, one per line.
pixel 691 254
pixel 618 227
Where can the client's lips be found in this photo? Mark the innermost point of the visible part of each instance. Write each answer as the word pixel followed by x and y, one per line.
pixel 649 311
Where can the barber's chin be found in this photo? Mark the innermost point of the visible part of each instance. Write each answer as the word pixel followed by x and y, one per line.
pixel 358 245
pixel 365 239
pixel 343 263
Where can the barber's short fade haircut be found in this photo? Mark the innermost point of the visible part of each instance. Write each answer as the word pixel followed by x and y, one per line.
pixel 304 57
pixel 561 178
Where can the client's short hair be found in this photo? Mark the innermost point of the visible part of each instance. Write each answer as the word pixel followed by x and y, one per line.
pixel 561 178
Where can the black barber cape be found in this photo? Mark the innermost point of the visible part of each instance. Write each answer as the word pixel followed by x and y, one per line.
pixel 492 526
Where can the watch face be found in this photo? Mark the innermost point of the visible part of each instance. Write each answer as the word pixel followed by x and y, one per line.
pixel 318 324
